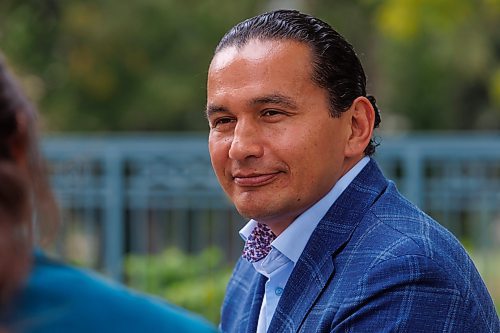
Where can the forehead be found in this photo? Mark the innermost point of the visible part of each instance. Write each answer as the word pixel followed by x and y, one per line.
pixel 258 49
pixel 262 63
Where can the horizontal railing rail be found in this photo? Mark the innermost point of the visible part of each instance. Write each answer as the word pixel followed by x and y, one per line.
pixel 143 193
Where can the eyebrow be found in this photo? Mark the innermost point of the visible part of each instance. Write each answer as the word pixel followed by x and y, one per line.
pixel 278 99
pixel 214 109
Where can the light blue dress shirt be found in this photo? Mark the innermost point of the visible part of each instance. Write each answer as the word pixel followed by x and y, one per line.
pixel 289 245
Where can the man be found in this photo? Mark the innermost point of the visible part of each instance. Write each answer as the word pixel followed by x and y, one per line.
pixel 331 244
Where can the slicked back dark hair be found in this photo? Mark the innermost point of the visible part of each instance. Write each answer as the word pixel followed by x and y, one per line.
pixel 336 67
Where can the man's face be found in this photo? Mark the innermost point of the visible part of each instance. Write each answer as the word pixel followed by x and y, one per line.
pixel 274 146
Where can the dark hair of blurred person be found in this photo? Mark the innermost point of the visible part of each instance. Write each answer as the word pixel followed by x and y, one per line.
pixel 23 185
pixel 39 294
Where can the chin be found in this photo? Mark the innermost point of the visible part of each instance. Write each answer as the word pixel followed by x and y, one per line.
pixel 248 213
pixel 256 213
pixel 257 207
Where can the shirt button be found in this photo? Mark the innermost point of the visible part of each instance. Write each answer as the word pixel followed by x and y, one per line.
pixel 278 291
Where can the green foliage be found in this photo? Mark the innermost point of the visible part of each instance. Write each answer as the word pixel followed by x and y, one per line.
pixel 102 66
pixel 195 282
pixel 442 58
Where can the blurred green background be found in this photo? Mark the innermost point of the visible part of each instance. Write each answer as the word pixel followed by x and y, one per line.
pixel 100 66
pixel 96 65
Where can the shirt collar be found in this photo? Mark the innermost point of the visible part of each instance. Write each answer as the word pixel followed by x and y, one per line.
pixel 292 241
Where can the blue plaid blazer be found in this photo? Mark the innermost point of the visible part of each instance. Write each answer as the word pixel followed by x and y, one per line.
pixel 375 263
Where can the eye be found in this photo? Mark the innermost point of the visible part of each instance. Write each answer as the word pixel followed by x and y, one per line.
pixel 223 121
pixel 271 112
pixel 273 115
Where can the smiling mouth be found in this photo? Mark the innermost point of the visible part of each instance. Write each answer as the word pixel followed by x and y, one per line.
pixel 255 180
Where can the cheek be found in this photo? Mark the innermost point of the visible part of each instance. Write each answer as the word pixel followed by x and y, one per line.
pixel 309 155
pixel 218 150
pixel 302 148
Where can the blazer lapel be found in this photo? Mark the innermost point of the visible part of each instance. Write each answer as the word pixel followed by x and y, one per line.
pixel 315 266
pixel 256 303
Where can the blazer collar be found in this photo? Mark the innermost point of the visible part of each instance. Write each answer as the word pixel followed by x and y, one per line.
pixel 315 266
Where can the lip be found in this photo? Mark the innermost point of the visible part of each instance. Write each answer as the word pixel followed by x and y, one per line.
pixel 254 180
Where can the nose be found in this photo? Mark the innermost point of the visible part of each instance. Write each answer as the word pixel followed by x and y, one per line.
pixel 246 142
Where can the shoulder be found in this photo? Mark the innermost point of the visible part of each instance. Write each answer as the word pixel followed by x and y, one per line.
pixel 398 227
pixel 393 227
pixel 79 300
pixel 404 254
pixel 411 293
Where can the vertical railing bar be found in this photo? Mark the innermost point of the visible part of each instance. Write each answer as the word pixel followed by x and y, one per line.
pixel 113 216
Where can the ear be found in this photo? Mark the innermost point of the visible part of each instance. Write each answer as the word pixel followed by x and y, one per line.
pixel 362 117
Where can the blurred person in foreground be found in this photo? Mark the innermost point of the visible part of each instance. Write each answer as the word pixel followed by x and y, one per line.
pixel 39 294
pixel 331 246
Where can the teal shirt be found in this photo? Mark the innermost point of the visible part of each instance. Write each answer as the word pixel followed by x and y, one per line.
pixel 61 298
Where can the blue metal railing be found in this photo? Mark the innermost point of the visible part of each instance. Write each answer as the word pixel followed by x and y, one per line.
pixel 141 194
